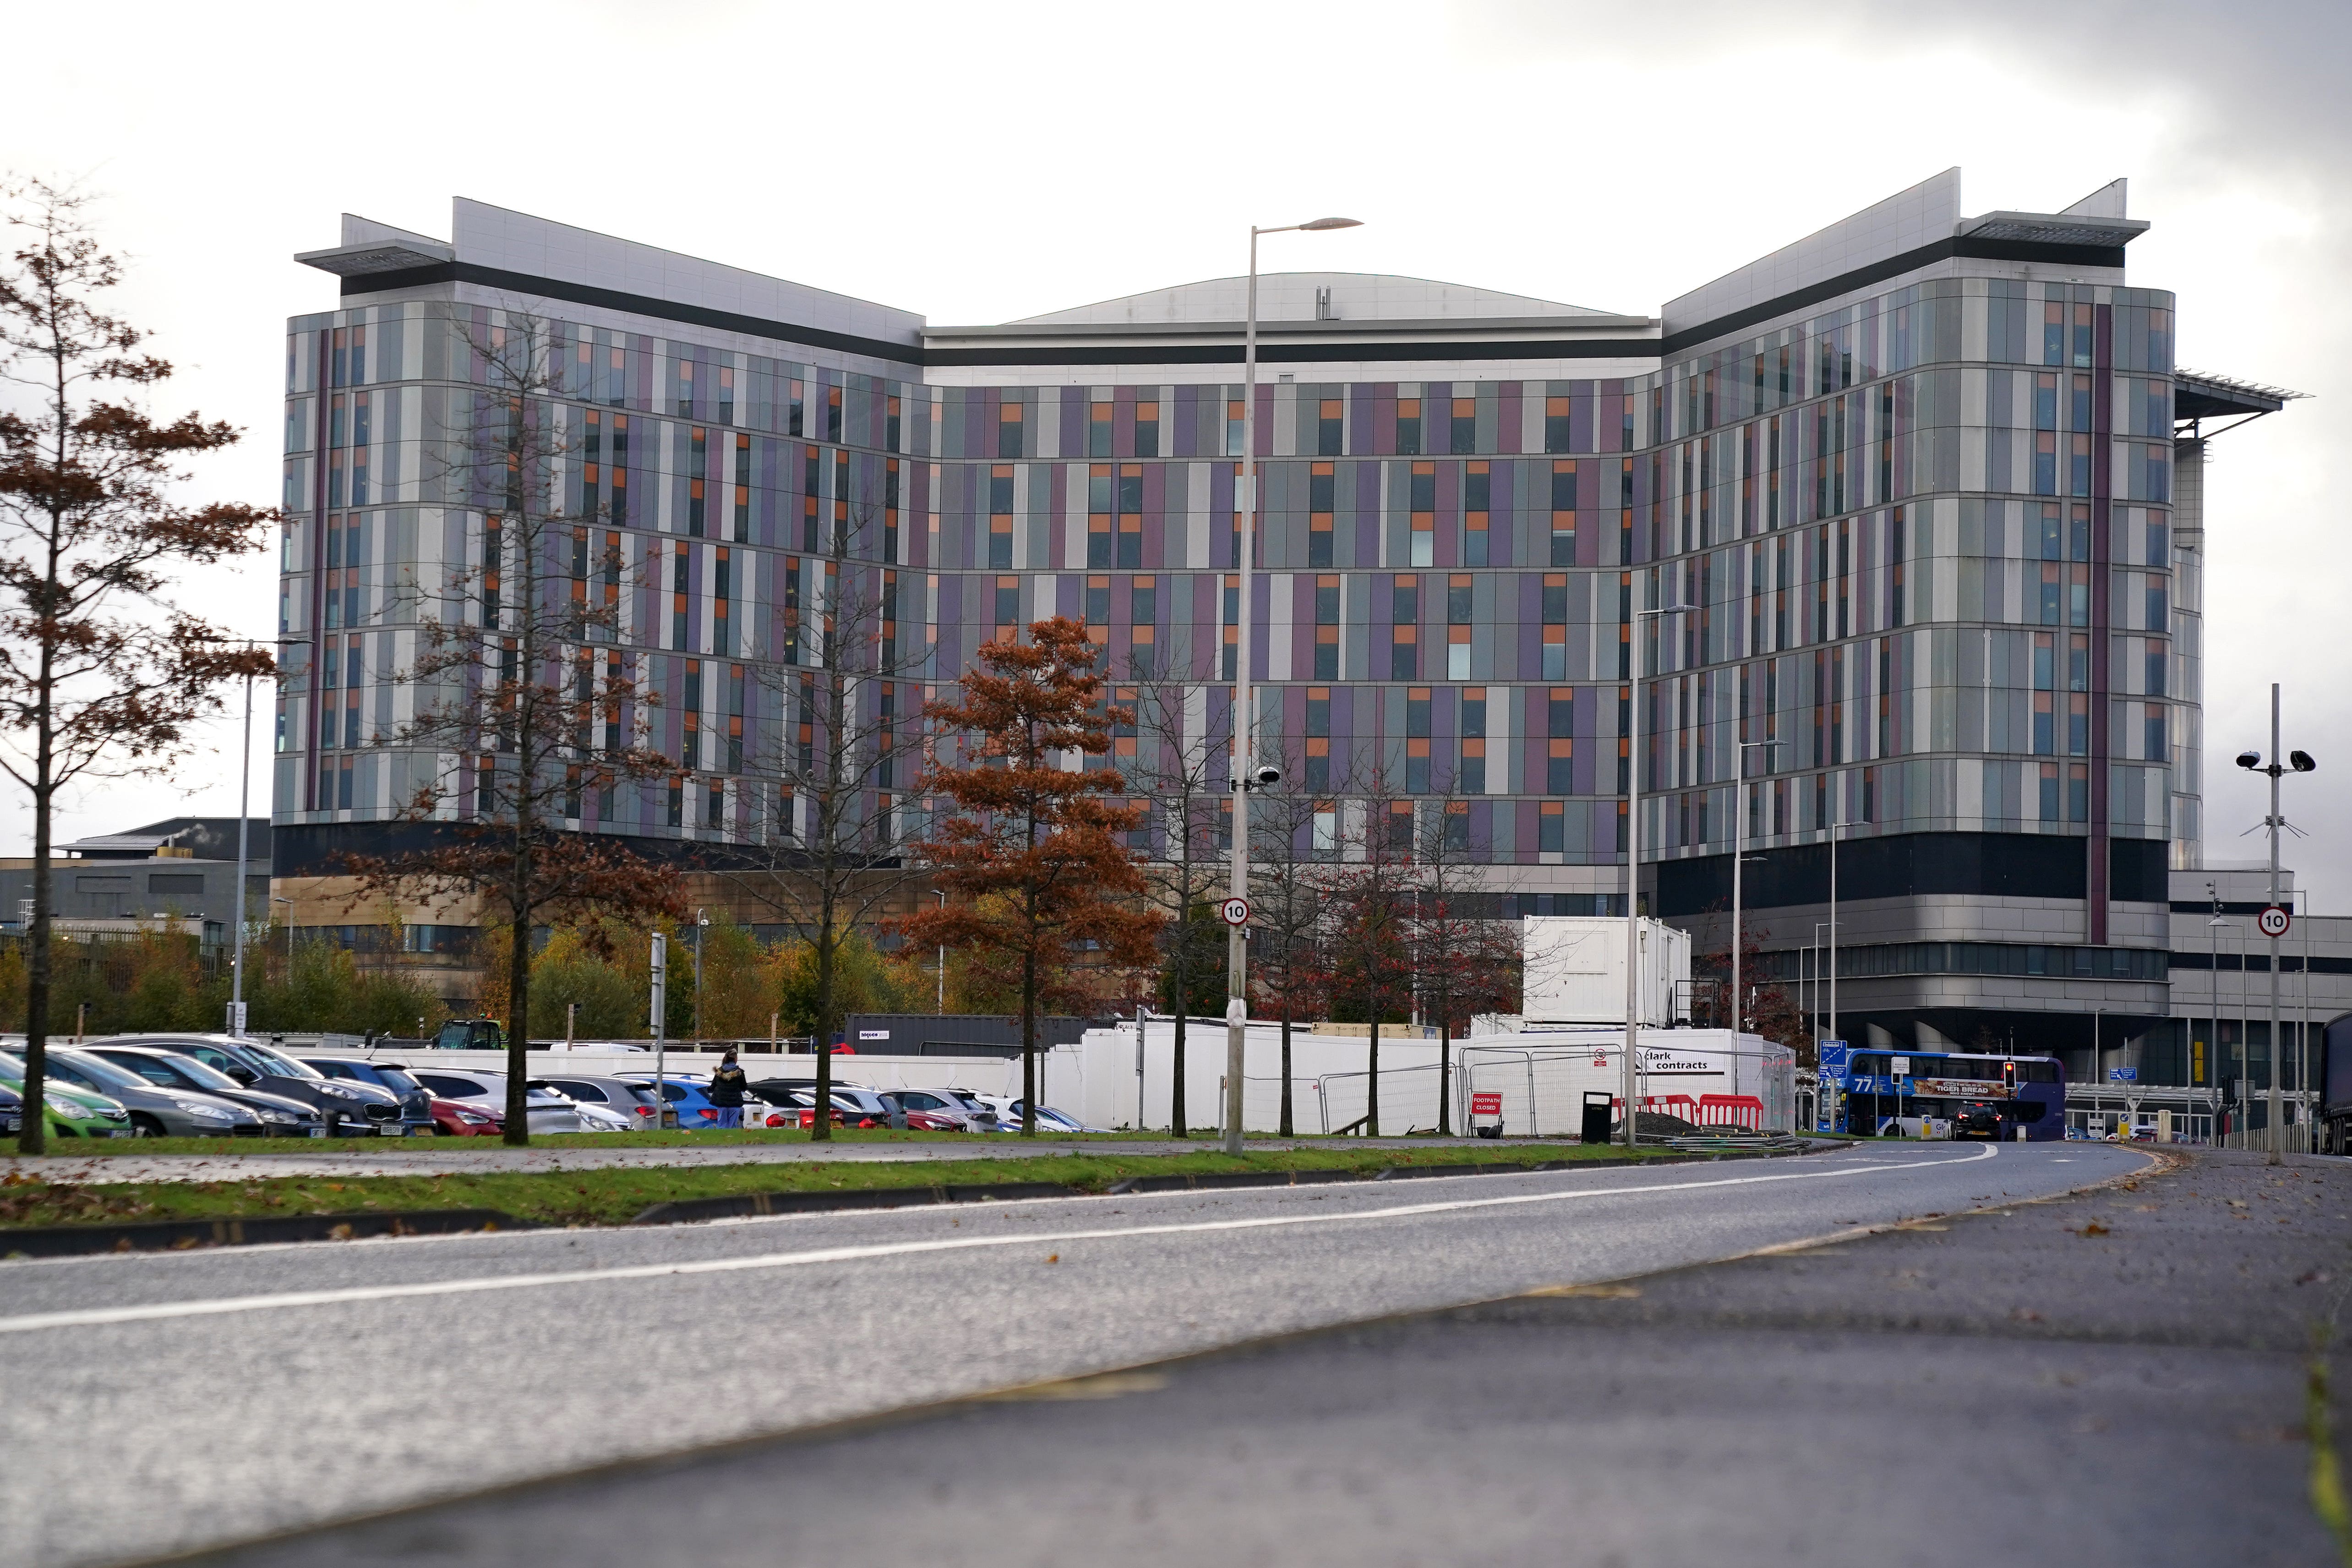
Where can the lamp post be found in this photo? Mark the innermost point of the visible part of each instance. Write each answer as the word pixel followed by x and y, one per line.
pixel 1739 852
pixel 2299 762
pixel 701 924
pixel 1246 776
pixel 1634 861
pixel 942 1007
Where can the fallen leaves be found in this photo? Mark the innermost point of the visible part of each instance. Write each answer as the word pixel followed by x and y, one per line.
pixel 2090 1228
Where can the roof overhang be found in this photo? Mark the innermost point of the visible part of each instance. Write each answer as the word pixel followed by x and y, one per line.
pixel 2053 228
pixel 382 256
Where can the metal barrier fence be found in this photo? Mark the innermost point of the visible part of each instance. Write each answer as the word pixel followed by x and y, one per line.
pixel 1543 1090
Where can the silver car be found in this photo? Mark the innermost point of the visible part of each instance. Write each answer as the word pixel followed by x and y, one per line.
pixel 155 1112
pixel 963 1106
pixel 546 1110
pixel 630 1104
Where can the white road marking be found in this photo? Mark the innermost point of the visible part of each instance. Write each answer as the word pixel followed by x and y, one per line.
pixel 217 1306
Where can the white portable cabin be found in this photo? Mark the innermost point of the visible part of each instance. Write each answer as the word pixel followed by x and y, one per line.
pixel 1575 970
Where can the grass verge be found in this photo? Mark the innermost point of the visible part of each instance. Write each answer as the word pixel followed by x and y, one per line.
pixel 99 1147
pixel 614 1196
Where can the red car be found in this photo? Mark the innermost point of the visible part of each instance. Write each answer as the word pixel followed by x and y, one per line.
pixel 456 1119
pixel 933 1121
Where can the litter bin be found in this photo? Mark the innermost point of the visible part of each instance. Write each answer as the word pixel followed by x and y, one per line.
pixel 1597 1102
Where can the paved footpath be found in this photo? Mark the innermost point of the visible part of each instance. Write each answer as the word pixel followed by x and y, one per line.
pixel 362 1157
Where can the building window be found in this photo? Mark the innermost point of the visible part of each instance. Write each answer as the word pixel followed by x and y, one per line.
pixel 1408 426
pixel 1556 424
pixel 1008 608
pixel 1552 837
pixel 1327 628
pixel 1404 663
pixel 2078 793
pixel 1098 428
pixel 1466 425
pixel 1008 428
pixel 1330 427
pixel 1147 429
pixel 2152 743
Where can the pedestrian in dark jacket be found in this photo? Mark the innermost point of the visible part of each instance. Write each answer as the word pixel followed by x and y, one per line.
pixel 726 1092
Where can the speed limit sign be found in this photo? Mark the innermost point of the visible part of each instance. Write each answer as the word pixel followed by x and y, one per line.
pixel 2272 922
pixel 1235 911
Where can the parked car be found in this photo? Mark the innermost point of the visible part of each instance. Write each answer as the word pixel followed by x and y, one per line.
pixel 1008 1116
pixel 349 1110
pixel 464 1119
pixel 778 1102
pixel 482 1088
pixel 155 1112
pixel 416 1101
pixel 966 1111
pixel 12 1112
pixel 281 1117
pixel 630 1104
pixel 72 1113
pixel 686 1099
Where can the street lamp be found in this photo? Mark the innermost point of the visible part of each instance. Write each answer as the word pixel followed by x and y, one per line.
pixel 2298 762
pixel 1247 777
pixel 701 924
pixel 1739 850
pixel 1634 861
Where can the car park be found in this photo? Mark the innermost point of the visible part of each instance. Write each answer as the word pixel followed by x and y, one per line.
pixel 155 1112
pixel 348 1109
pixel 630 1104
pixel 547 1112
pixel 416 1101
pixel 281 1117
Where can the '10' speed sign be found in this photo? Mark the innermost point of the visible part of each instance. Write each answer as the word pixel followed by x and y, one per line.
pixel 2272 922
pixel 1236 912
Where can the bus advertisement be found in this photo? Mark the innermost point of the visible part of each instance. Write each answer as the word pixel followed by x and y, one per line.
pixel 1941 1094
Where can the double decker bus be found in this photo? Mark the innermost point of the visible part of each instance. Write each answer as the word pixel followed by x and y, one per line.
pixel 1862 1092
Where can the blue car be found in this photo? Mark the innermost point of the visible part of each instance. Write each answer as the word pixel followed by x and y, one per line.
pixel 686 1100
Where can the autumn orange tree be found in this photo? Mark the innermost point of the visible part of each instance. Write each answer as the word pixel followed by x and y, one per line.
pixel 1028 851
pixel 101 672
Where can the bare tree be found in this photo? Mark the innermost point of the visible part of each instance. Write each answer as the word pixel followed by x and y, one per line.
pixel 1367 896
pixel 1181 771
pixel 101 672
pixel 1464 962
pixel 841 739
pixel 522 689
pixel 1288 884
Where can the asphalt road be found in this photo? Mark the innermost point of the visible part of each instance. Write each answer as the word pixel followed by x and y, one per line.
pixel 159 1403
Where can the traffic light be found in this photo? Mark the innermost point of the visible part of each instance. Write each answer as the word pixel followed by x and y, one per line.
pixel 2008 1077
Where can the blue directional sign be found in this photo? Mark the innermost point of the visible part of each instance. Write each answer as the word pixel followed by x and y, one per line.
pixel 2123 1075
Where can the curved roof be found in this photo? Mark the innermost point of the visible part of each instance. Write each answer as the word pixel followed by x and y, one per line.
pixel 1294 297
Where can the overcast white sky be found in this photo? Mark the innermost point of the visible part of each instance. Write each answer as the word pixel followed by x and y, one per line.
pixel 979 163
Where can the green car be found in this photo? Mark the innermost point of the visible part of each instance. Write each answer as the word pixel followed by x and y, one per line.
pixel 77 1113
